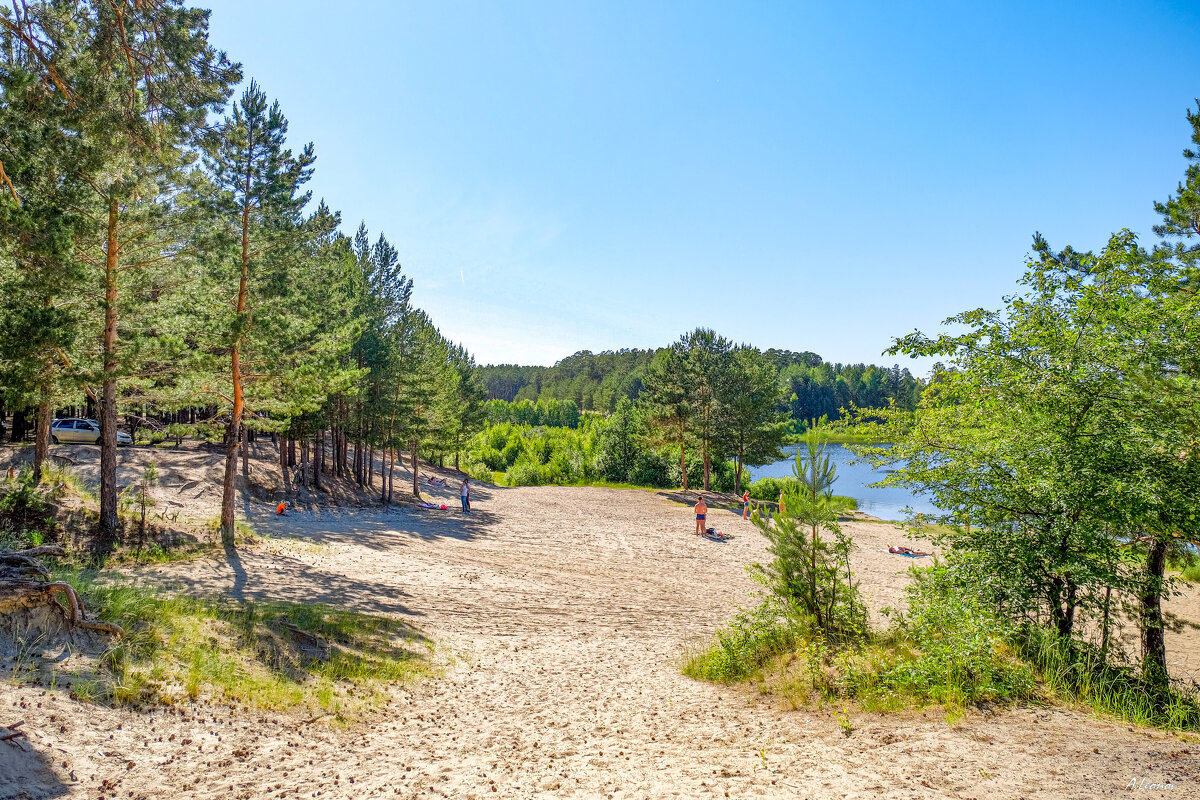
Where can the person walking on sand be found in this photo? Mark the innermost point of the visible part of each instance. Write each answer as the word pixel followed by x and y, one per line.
pixel 746 504
pixel 465 493
pixel 701 513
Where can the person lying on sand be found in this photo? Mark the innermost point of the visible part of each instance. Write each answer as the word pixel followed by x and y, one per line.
pixel 701 513
pixel 906 551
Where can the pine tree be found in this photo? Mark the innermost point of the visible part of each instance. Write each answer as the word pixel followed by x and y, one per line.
pixel 669 397
pixel 259 204
pixel 751 425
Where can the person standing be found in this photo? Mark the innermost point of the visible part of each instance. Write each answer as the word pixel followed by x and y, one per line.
pixel 746 504
pixel 781 509
pixel 701 513
pixel 465 492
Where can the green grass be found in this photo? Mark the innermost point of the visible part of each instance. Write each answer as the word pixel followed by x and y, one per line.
pixel 53 474
pixel 948 651
pixel 1191 573
pixel 177 648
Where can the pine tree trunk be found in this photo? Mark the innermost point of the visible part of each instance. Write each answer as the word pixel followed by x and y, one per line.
pixel 737 478
pixel 291 452
pixel 246 456
pixel 707 468
pixel 41 445
pixel 392 475
pixel 283 470
pixel 304 463
pixel 318 459
pixel 233 433
pixel 682 457
pixel 109 520
pixel 383 476
pixel 412 445
pixel 1154 646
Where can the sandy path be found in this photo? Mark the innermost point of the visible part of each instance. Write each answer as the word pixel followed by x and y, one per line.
pixel 565 611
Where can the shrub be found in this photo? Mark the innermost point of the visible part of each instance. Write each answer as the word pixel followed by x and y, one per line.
pixel 742 648
pixel 525 472
pixel 950 648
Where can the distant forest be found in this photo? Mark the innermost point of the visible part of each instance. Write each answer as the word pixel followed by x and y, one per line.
pixel 597 382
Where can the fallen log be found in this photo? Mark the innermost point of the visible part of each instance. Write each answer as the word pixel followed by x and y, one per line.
pixel 25 586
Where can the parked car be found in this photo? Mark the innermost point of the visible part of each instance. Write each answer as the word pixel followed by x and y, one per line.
pixel 81 431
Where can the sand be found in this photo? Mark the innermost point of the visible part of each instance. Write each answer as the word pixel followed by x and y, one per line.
pixel 560 616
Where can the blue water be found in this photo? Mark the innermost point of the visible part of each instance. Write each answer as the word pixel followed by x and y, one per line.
pixel 852 480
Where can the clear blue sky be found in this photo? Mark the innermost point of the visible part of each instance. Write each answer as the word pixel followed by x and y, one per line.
pixel 814 176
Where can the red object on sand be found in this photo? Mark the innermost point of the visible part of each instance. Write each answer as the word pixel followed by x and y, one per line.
pixel 279 509
pixel 443 506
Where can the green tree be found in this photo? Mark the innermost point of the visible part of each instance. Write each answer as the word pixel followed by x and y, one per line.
pixel 41 320
pixel 258 204
pixel 1057 439
pixel 669 399
pixel 751 424
pixel 810 571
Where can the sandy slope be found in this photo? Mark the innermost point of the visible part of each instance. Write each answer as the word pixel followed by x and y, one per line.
pixel 564 611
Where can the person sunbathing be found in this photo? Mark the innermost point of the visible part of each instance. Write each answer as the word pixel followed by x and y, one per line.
pixel 906 551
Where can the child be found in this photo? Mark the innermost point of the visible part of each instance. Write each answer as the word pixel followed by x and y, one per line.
pixel 701 513
pixel 746 504
pixel 281 509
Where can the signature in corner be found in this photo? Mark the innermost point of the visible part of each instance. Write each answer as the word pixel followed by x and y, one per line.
pixel 1141 784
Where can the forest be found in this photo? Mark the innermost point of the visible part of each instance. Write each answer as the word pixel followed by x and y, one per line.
pixel 162 261
pixel 813 388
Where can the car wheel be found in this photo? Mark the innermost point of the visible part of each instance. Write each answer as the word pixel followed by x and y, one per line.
pixel 53 439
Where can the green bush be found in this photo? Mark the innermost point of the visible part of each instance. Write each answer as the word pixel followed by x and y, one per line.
pixel 525 472
pixel 950 648
pixel 742 648
pixel 1192 573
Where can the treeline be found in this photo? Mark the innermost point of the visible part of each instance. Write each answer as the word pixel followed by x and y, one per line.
pixel 550 413
pixel 158 252
pixel 703 405
pixel 812 388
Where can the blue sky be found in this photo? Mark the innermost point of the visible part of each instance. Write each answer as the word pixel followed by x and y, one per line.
pixel 811 176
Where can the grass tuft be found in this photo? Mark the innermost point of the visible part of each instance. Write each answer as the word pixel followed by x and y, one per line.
pixel 263 654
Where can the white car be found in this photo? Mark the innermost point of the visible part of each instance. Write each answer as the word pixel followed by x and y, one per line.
pixel 81 431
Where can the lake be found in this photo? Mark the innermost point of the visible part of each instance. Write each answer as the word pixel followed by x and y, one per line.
pixel 852 480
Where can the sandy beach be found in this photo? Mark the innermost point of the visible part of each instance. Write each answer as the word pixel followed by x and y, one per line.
pixel 560 616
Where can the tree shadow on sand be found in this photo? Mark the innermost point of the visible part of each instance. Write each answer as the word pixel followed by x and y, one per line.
pixel 379 528
pixel 25 769
pixel 245 576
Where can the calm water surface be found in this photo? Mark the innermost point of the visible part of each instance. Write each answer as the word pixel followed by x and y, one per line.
pixel 852 480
